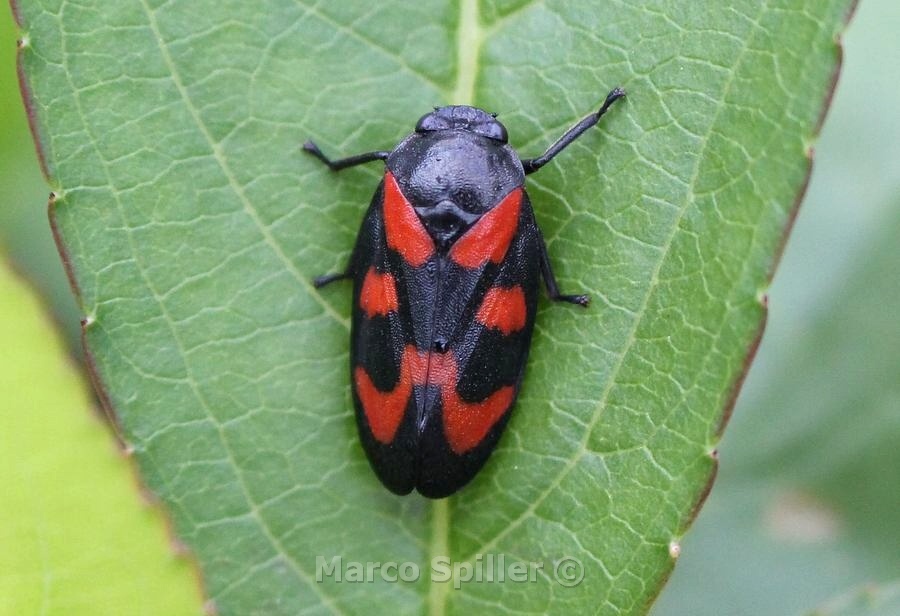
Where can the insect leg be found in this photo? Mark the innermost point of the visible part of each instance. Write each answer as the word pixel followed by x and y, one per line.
pixel 550 280
pixel 343 163
pixel 533 164
pixel 324 279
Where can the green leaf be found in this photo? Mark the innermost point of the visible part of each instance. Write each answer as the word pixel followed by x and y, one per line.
pixel 806 501
pixel 883 600
pixel 194 223
pixel 75 537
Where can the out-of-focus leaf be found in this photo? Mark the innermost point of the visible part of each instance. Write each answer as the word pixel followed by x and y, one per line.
pixel 873 600
pixel 76 539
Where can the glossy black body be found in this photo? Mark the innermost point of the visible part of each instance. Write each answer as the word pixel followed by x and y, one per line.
pixel 453 170
pixel 438 302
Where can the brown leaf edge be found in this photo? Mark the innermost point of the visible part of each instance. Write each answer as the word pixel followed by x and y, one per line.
pixel 179 548
pixel 728 408
pixel 147 496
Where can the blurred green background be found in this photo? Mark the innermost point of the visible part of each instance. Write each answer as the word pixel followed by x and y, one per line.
pixel 807 503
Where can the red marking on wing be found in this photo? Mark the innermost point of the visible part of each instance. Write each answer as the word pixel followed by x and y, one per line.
pixel 417 363
pixel 378 294
pixel 489 239
pixel 405 232
pixel 384 410
pixel 465 423
pixel 503 309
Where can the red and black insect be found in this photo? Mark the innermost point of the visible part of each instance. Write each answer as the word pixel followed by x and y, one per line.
pixel 446 272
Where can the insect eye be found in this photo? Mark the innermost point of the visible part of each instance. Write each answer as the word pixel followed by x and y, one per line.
pixel 431 122
pixel 492 130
